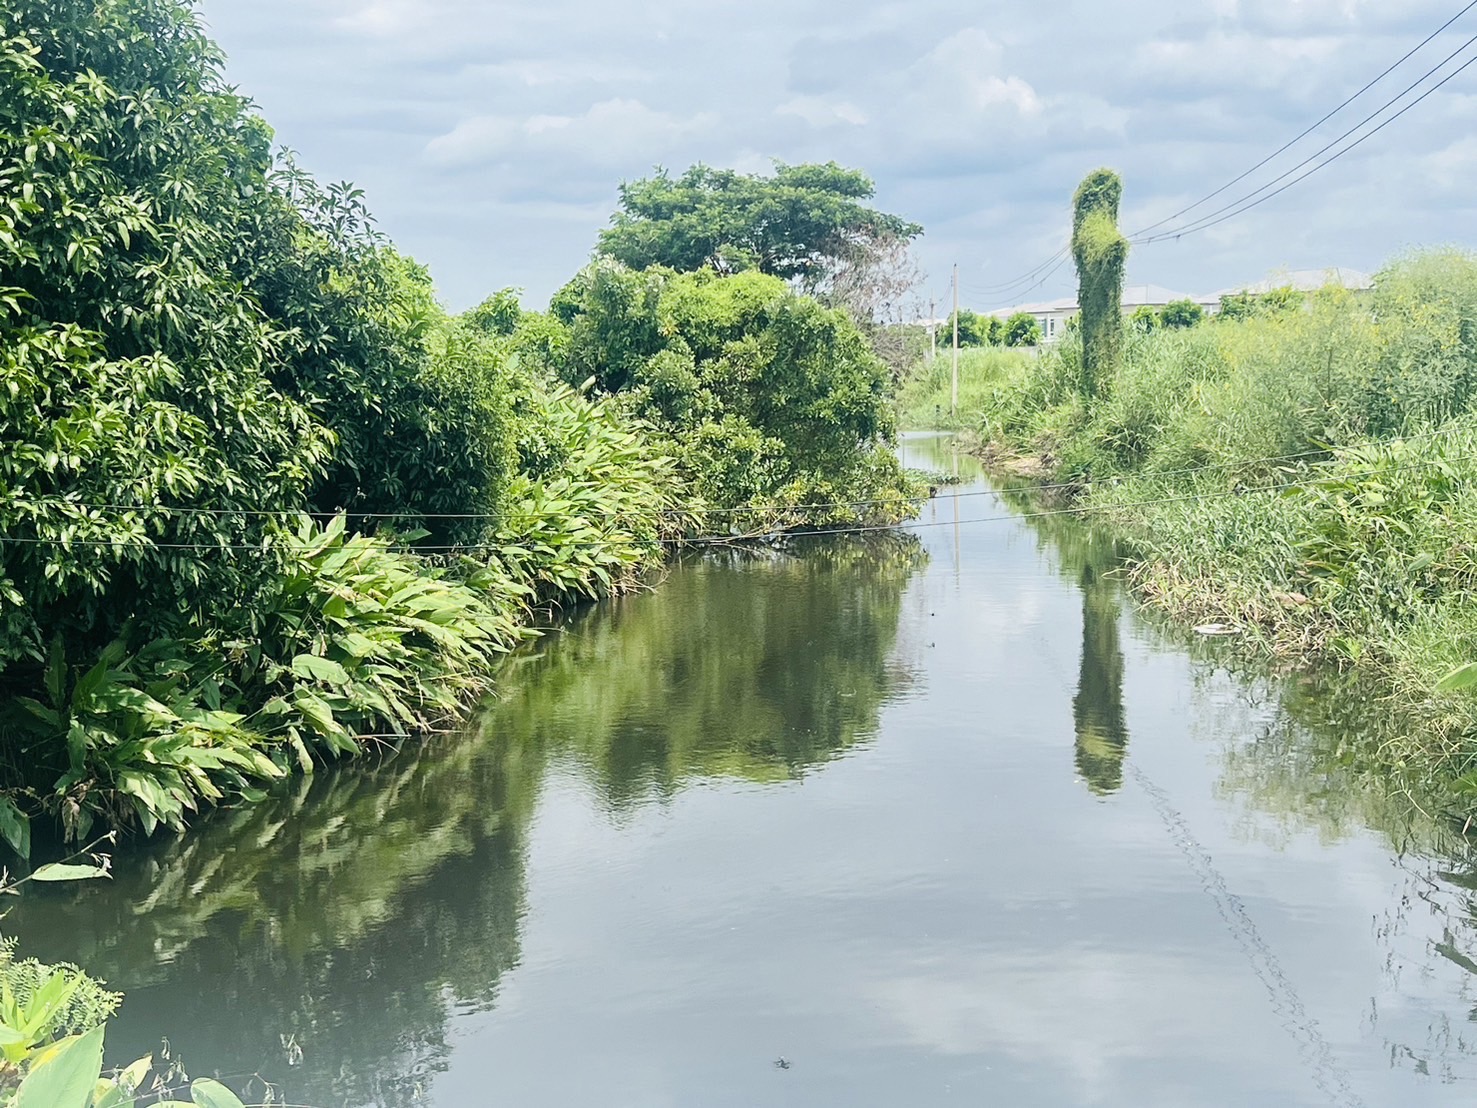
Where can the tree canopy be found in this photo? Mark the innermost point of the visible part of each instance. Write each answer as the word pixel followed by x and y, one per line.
pixel 974 329
pixel 768 396
pixel 803 223
pixel 1181 313
pixel 1022 329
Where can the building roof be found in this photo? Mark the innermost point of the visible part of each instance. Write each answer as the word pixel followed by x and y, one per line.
pixel 1156 296
pixel 1304 280
pixel 1134 296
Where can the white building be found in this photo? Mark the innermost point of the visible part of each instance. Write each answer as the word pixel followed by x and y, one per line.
pixel 1052 315
pixel 1304 280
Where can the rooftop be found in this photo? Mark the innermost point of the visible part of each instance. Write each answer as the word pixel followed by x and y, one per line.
pixel 1156 296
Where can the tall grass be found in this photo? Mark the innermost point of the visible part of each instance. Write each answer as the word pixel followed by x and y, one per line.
pixel 925 401
pixel 1310 477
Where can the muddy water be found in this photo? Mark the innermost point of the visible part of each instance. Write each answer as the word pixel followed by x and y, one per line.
pixel 921 819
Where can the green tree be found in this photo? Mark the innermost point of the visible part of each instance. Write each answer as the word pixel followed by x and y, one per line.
pixel 1280 301
pixel 197 344
pixel 1245 304
pixel 499 314
pixel 1100 252
pixel 805 222
pixel 771 396
pixel 1237 305
pixel 1144 320
pixel 1022 329
pixel 1181 313
pixel 975 329
pixel 136 365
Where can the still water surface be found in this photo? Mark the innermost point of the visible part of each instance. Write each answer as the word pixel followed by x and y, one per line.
pixel 932 819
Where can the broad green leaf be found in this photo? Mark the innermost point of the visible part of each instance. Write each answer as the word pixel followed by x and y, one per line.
pixel 15 827
pixel 9 1036
pixel 64 1074
pixel 314 668
pixel 212 1094
pixel 57 871
pixel 1460 678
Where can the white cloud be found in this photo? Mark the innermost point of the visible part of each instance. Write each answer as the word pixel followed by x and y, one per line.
pixel 819 111
pixel 608 133
pixel 978 130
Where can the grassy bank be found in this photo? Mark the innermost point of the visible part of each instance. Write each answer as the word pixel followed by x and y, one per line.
pixel 1307 474
pixel 925 401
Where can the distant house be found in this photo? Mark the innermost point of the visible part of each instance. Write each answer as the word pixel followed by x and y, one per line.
pixel 1052 315
pixel 1304 280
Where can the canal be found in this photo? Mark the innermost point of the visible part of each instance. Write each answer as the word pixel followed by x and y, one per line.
pixel 920 818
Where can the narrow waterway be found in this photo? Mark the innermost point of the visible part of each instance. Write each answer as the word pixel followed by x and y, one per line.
pixel 918 819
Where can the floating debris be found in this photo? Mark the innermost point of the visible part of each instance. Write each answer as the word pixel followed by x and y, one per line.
pixel 1217 629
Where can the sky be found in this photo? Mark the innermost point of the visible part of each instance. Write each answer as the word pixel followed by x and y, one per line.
pixel 491 137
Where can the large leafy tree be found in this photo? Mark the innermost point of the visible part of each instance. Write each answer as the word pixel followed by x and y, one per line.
pixel 133 361
pixel 770 397
pixel 807 223
pixel 192 335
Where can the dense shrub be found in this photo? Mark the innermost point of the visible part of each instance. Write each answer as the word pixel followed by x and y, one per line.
pixel 1022 329
pixel 769 397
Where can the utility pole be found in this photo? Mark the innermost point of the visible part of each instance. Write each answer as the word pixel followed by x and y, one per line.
pixel 933 339
pixel 954 392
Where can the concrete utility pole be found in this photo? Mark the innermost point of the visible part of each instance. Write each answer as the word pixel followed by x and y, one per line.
pixel 933 339
pixel 954 392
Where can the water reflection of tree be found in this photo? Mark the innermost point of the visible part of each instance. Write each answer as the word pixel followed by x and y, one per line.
pixel 1306 768
pixel 350 915
pixel 756 674
pixel 341 918
pixel 1301 760
pixel 1097 709
pixel 1088 556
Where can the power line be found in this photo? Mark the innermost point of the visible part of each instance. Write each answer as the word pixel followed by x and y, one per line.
pixel 146 544
pixel 293 514
pixel 1313 127
pixel 1006 286
pixel 1232 208
pixel 1089 509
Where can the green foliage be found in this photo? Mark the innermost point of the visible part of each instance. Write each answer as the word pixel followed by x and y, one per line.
pixel 1181 313
pixel 204 354
pixel 1022 329
pixel 805 222
pixel 1243 305
pixel 69 1074
pixel 40 1004
pixel 597 515
pixel 499 314
pixel 1362 407
pixel 1143 320
pixel 1100 253
pixel 924 401
pixel 769 398
pixel 974 329
pixel 130 736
